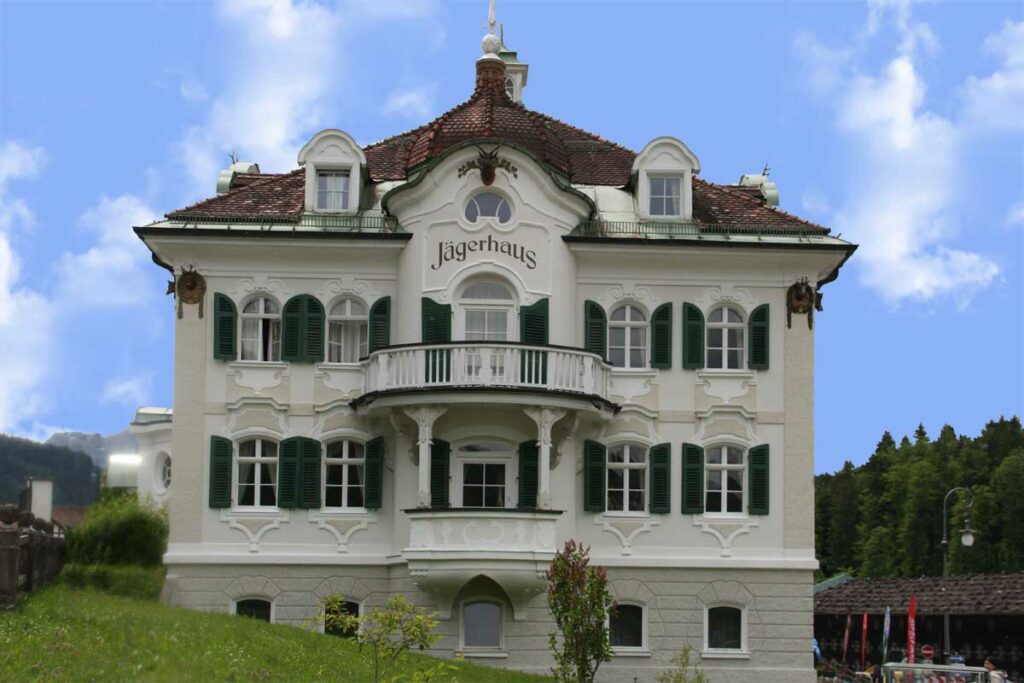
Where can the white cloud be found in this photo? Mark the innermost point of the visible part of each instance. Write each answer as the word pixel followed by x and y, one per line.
pixel 997 101
pixel 114 271
pixel 17 162
pixel 902 203
pixel 1015 215
pixel 128 391
pixel 411 103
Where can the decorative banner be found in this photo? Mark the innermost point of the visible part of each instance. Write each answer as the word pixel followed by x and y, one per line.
pixel 885 634
pixel 863 641
pixel 912 629
pixel 846 635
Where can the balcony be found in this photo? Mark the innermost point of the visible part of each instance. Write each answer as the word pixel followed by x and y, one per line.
pixel 449 547
pixel 484 365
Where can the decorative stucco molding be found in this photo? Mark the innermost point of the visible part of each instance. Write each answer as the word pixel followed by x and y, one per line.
pixel 342 526
pixel 725 530
pixel 252 586
pixel 254 525
pixel 262 284
pixel 258 376
pixel 626 529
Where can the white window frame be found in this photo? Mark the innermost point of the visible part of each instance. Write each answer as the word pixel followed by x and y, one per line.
pixel 258 472
pixel 351 319
pixel 234 605
pixel 724 325
pixel 724 467
pixel 345 193
pixel 506 456
pixel 346 461
pixel 726 653
pixel 631 650
pixel 508 306
pixel 482 650
pixel 678 177
pixel 495 220
pixel 626 466
pixel 263 319
pixel 629 326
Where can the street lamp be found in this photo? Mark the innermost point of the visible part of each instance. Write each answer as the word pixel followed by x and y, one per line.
pixel 966 540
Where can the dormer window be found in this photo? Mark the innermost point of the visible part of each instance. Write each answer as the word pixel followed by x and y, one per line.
pixel 332 190
pixel 665 195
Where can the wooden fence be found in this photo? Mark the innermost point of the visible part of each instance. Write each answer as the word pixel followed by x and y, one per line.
pixel 31 553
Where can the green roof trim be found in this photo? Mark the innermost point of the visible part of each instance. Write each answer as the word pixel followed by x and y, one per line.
pixel 669 230
pixel 327 222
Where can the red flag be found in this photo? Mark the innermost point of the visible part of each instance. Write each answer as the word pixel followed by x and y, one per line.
pixel 846 635
pixel 911 629
pixel 863 641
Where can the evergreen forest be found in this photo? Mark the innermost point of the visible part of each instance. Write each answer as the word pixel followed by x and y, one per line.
pixel 76 481
pixel 884 518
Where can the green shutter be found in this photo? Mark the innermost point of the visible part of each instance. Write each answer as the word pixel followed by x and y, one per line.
pixel 288 473
pixel 529 471
pixel 661 337
pixel 595 329
pixel 533 329
pixel 758 479
pixel 693 337
pixel 309 474
pixel 225 321
pixel 693 479
pixel 302 334
pixel 221 451
pixel 380 324
pixel 758 335
pixel 440 456
pixel 373 479
pixel 661 478
pixel 594 465
pixel 437 328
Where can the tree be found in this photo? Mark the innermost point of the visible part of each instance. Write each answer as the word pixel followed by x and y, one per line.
pixel 842 533
pixel 1008 483
pixel 579 601
pixel 389 633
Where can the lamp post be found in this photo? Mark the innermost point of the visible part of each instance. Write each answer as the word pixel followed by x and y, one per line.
pixel 966 540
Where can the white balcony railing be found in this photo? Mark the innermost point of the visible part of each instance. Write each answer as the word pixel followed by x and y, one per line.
pixel 482 364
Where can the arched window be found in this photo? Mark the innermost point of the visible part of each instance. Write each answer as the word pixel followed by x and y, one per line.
pixel 724 467
pixel 343 483
pixel 488 310
pixel 162 472
pixel 725 628
pixel 627 478
pixel 488 205
pixel 725 339
pixel 510 89
pixel 481 625
pixel 627 337
pixel 347 332
pixel 626 626
pixel 257 473
pixel 335 608
pixel 261 330
pixel 253 608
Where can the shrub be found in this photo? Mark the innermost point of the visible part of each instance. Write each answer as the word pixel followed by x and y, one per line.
pixel 683 671
pixel 131 582
pixel 119 530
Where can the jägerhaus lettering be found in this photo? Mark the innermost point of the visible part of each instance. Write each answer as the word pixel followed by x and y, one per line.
pixel 449 250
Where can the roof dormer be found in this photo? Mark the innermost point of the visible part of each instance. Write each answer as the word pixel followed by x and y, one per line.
pixel 333 163
pixel 664 171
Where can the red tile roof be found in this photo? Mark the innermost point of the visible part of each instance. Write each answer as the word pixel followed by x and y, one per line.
pixel 988 594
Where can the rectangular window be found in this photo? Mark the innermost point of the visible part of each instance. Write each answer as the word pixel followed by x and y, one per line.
pixel 343 485
pixel 332 191
pixel 257 473
pixel 724 485
pixel 725 628
pixel 664 196
pixel 627 479
pixel 626 626
pixel 483 485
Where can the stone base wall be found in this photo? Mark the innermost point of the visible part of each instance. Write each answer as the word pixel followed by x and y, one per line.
pixel 778 604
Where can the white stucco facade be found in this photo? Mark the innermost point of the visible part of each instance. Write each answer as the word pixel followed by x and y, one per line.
pixel 488 397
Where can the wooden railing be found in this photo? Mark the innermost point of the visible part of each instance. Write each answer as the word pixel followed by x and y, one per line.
pixel 484 364
pixel 31 553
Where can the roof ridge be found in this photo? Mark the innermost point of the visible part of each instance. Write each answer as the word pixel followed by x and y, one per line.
pixel 595 136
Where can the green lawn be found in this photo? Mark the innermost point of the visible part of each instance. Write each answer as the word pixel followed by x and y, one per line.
pixel 65 634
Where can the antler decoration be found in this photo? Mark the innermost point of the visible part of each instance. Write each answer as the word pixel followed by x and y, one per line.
pixel 190 289
pixel 801 298
pixel 488 163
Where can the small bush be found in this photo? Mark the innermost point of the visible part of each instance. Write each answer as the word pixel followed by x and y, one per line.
pixel 119 530
pixel 131 582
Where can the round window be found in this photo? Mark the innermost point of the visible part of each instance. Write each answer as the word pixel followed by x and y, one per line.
pixel 488 205
pixel 163 472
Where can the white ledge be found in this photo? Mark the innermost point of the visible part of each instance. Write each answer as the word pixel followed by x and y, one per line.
pixel 483 654
pixel 635 652
pixel 724 654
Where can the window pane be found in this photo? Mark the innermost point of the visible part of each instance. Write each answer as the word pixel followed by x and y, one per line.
pixel 636 479
pixel 714 456
pixel 637 454
pixel 734 502
pixel 494 497
pixel 735 456
pixel 714 338
pixel 617 454
pixel 615 500
pixel 487 290
pixel 472 496
pixel 637 336
pixel 657 186
pixel 332 497
pixel 355 496
pixel 636 358
pixel 617 357
pixel 472 212
pixel 494 474
pixel 657 206
pixel 488 203
pixel 716 316
pixel 504 212
pixel 270 306
pixel 671 207
pixel 724 627
pixel 636 501
pixel 253 609
pixel 734 316
pixel 626 626
pixel 334 473
pixel 247 449
pixel 615 479
pixel 735 360
pixel 619 313
pixel 714 480
pixel 481 625
pixel 736 338
pixel 672 187
pixel 617 336
pixel 714 358
pixel 268 449
pixel 734 480
pixel 473 473
pixel 713 502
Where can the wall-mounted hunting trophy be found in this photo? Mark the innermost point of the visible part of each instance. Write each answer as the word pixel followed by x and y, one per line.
pixel 802 299
pixel 190 289
pixel 488 163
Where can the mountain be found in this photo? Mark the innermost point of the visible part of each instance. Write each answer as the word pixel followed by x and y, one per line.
pixel 96 446
pixel 76 480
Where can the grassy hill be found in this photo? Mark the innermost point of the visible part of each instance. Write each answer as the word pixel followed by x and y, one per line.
pixel 78 635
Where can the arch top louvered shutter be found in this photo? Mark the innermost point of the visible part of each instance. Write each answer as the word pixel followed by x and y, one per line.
pixel 693 479
pixel 221 453
pixel 533 329
pixel 302 335
pixel 380 324
pixel 758 334
pixel 661 477
pixel 661 337
pixel 309 474
pixel 693 337
pixel 225 325
pixel 288 473
pixel 595 328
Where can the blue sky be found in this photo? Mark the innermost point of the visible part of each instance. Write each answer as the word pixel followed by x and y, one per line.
pixel 899 124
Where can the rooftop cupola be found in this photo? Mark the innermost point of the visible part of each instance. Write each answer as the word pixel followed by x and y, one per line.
pixel 515 72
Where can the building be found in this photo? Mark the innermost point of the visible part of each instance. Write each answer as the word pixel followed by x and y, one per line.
pixel 420 366
pixel 986 618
